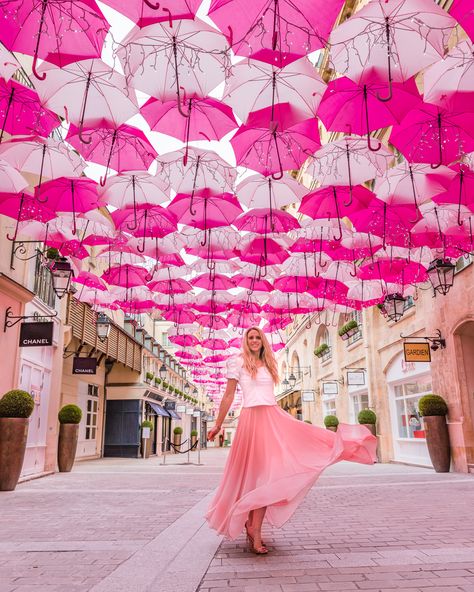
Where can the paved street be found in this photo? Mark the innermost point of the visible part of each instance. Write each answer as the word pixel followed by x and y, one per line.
pixel 134 525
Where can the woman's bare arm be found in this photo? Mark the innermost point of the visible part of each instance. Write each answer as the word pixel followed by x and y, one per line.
pixel 224 407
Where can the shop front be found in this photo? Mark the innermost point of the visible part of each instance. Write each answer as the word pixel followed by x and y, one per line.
pixel 407 382
pixel 358 394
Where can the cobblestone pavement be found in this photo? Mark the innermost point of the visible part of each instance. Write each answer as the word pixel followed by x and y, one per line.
pixel 386 527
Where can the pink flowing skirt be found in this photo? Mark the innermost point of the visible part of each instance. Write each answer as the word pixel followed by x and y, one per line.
pixel 274 461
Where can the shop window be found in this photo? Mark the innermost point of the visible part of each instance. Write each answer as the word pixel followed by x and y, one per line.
pixel 91 418
pixel 165 342
pixel 359 402
pixel 409 421
pixel 355 316
pixel 329 407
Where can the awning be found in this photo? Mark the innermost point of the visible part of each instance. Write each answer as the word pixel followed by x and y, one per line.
pixel 158 409
pixel 173 414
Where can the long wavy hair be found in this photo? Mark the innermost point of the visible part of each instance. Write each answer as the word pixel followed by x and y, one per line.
pixel 265 355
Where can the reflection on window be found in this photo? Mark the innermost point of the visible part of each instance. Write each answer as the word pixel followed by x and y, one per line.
pixel 409 421
pixel 359 402
pixel 329 407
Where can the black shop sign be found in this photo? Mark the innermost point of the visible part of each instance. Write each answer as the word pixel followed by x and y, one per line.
pixel 36 334
pixel 84 365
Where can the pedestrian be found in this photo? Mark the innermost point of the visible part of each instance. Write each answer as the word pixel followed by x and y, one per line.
pixel 274 459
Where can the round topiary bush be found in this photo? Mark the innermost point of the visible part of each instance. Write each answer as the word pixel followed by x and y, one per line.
pixel 194 432
pixel 178 430
pixel 147 424
pixel 16 403
pixel 432 405
pixel 70 414
pixel 367 416
pixel 331 421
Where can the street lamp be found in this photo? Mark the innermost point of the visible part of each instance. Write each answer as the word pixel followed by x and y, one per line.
pixel 186 388
pixel 61 273
pixel 394 305
pixel 292 380
pixel 162 371
pixel 285 384
pixel 102 326
pixel 441 275
pixel 195 392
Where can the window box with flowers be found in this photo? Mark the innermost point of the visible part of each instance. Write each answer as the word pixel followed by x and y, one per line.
pixel 157 382
pixel 349 329
pixel 322 350
pixel 149 377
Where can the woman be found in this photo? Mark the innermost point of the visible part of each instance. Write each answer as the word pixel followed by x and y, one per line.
pixel 274 459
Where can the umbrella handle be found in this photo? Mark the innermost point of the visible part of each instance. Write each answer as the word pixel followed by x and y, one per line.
pixel 367 126
pixel 440 144
pixel 279 175
pixel 42 76
pixel 7 110
pixel 338 238
pixel 348 156
pixel 12 239
pixel 38 187
pixel 152 6
pixel 389 64
pixel 461 180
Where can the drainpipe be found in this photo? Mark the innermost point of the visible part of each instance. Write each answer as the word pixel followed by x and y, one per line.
pixel 108 364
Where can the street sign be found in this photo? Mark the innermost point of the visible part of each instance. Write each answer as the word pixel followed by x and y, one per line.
pixel 170 405
pixel 355 377
pixel 146 433
pixel 330 388
pixel 84 365
pixel 180 408
pixel 189 411
pixel 36 334
pixel 307 396
pixel 417 351
pixel 196 414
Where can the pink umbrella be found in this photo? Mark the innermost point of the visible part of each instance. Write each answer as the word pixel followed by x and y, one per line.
pixel 206 119
pixel 266 220
pixel 123 148
pixel 127 276
pixel 347 162
pixel 240 319
pixel 22 207
pixel 205 209
pixel 460 191
pixel 216 282
pixel 59 32
pixel 184 340
pixel 258 191
pixel 145 221
pixel 179 317
pixel 463 12
pixel 147 12
pixel 214 344
pixel 434 135
pixel 44 157
pixel 171 286
pixel 212 321
pixel 274 140
pixel 87 92
pixel 255 85
pixel 214 244
pixel 69 195
pixel 90 280
pixel 288 29
pixel 10 179
pixel 353 108
pixel 335 202
pixel 263 252
pixel 398 271
pixel 395 38
pixel 21 111
pixel 8 63
pixel 252 284
pixel 189 353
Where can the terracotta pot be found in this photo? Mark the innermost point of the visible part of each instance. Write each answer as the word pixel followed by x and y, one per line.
pixel 332 428
pixel 67 445
pixel 13 434
pixel 193 440
pixel 370 427
pixel 437 440
pixel 177 440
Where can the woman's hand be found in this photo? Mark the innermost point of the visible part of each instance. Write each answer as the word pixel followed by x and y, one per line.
pixel 211 434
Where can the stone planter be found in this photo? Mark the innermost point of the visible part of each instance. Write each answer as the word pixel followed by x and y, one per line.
pixel 437 440
pixel 67 445
pixel 177 441
pixel 193 440
pixel 370 427
pixel 147 446
pixel 13 434
pixel 332 428
pixel 345 336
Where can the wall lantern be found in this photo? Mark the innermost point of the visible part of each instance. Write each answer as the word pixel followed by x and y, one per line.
pixel 441 274
pixel 102 326
pixel 394 305
pixel 186 388
pixel 61 273
pixel 162 371
pixel 292 380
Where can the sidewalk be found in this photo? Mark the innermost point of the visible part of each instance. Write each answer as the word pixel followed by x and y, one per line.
pixel 126 525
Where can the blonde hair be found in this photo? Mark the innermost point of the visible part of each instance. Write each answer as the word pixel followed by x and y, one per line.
pixel 265 355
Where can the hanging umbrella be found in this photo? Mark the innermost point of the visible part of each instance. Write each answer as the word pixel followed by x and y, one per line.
pixel 434 135
pixel 355 108
pixel 460 191
pixel 44 157
pixel 258 191
pixel 90 280
pixel 122 148
pixel 184 340
pixel 147 12
pixel 8 63
pixel 10 179
pixel 145 222
pixel 398 271
pixel 205 209
pixel 217 282
pixel 175 286
pixel 449 83
pixel 68 194
pixel 347 162
pixel 86 92
pixel 266 220
pixel 395 38
pixel 284 28
pixel 22 207
pixel 274 140
pixel 58 31
pixel 21 111
pixel 203 168
pixel 126 276
pixel 251 283
pixel 255 85
pixel 206 119
pixel 212 321
pixel 190 56
pixel 463 12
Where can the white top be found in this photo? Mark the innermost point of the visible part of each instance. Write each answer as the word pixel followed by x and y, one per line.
pixel 254 392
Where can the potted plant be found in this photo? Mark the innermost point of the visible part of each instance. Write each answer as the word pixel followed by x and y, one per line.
pixel 15 408
pixel 331 422
pixel 177 433
pixel 52 253
pixel 321 350
pixel 164 385
pixel 194 437
pixel 368 419
pixel 349 329
pixel 157 381
pixel 434 409
pixel 147 441
pixel 69 417
pixel 149 377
